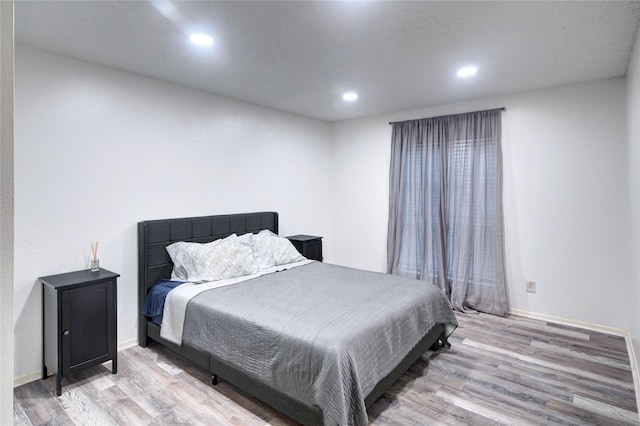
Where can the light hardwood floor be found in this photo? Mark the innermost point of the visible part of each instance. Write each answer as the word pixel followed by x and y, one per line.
pixel 498 371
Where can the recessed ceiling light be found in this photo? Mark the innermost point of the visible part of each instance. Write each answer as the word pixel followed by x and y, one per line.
pixel 349 96
pixel 465 72
pixel 201 39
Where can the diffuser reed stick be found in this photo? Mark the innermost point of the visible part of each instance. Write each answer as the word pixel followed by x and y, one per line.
pixel 95 263
pixel 94 250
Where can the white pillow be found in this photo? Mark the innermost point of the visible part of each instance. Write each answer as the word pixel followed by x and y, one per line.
pixel 246 239
pixel 220 259
pixel 271 250
pixel 229 259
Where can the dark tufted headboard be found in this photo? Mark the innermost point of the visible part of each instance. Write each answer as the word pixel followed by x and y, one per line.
pixel 154 236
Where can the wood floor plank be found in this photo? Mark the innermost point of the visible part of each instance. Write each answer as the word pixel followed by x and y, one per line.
pixel 489 411
pixel 40 405
pixel 510 370
pixel 542 362
pixel 528 404
pixel 575 354
pixel 543 379
pixel 616 414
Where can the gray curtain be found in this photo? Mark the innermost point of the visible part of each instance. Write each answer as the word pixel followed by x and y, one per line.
pixel 445 207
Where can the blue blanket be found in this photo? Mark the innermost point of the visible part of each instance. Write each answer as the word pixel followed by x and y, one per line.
pixel 154 303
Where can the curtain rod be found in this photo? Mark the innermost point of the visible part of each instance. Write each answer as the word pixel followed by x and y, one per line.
pixel 394 122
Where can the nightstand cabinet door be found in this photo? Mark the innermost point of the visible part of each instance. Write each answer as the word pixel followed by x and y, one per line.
pixel 88 334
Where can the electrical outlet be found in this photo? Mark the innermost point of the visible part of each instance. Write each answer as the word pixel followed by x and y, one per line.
pixel 530 286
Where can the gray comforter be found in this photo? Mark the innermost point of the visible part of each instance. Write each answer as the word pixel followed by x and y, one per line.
pixel 322 333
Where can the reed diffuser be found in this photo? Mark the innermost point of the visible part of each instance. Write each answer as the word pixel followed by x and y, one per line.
pixel 95 262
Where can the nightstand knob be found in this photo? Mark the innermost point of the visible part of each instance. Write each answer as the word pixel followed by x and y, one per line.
pixel 66 332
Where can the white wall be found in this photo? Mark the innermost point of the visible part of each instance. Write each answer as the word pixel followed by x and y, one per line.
pixel 633 120
pixel 98 150
pixel 6 212
pixel 565 197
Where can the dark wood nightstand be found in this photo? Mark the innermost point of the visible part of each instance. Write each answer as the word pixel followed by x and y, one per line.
pixel 79 325
pixel 308 245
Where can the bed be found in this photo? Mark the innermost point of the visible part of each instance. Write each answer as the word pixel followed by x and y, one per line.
pixel 311 368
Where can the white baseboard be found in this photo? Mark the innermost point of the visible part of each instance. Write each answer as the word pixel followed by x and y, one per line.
pixel 570 322
pixel 37 375
pixel 127 344
pixel 634 370
pixel 27 378
pixel 633 362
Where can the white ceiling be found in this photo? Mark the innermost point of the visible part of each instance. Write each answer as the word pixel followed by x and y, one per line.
pixel 300 56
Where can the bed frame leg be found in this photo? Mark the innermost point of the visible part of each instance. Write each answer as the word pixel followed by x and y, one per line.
pixel 214 379
pixel 441 342
pixel 445 341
